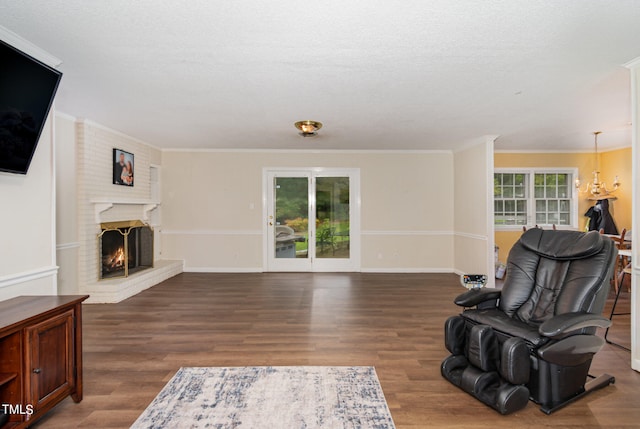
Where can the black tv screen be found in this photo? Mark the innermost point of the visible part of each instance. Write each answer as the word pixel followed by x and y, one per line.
pixel 27 89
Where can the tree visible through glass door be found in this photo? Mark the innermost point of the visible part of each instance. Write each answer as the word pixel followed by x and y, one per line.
pixel 332 217
pixel 291 217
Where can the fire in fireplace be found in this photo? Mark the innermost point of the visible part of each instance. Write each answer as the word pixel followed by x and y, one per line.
pixel 125 248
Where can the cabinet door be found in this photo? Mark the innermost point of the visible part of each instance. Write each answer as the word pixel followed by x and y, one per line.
pixel 50 360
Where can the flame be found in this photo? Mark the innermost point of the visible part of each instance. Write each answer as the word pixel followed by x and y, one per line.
pixel 116 260
pixel 119 257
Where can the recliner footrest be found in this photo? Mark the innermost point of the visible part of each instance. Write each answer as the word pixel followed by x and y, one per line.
pixel 454 335
pixel 452 368
pixel 483 348
pixel 486 386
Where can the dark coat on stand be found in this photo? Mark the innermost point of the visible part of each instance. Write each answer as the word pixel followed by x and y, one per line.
pixel 601 218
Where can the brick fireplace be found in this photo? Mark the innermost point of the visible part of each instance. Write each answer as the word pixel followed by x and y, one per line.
pixel 126 247
pixel 128 215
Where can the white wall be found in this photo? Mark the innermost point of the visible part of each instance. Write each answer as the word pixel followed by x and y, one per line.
pixel 27 218
pixel 27 225
pixel 474 210
pixel 66 205
pixel 635 279
pixel 212 207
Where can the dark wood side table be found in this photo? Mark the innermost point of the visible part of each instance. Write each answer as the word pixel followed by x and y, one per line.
pixel 40 355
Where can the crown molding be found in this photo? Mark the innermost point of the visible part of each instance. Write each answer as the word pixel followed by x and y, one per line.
pixel 90 123
pixel 635 63
pixel 489 138
pixel 312 151
pixel 28 48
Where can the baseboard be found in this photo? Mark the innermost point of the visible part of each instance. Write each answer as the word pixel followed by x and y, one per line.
pixel 116 290
pixel 408 270
pixel 223 270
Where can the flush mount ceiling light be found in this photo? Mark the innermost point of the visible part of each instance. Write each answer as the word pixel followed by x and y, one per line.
pixel 308 128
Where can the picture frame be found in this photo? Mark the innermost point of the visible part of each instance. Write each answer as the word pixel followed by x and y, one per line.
pixel 123 167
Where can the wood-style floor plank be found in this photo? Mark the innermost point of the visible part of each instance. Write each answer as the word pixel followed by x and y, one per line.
pixel 391 321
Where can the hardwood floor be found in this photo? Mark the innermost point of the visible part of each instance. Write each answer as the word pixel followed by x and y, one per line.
pixel 391 321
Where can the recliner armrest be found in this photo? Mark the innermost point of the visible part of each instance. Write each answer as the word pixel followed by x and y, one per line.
pixel 562 324
pixel 477 296
pixel 571 351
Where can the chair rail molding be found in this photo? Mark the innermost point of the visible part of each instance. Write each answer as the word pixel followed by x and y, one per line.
pixel 27 276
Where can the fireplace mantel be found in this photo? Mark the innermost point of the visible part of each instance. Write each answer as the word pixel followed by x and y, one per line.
pixel 103 204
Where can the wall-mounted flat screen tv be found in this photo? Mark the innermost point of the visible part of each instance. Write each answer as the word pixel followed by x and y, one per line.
pixel 27 89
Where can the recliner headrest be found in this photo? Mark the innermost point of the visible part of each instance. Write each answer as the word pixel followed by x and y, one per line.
pixel 562 245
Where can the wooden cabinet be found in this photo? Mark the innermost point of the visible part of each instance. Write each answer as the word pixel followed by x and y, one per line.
pixel 40 355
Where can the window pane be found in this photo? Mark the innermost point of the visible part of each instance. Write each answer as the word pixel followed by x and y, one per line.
pixel 563 180
pixel 518 191
pixel 497 181
pixel 551 180
pixel 563 191
pixel 519 179
pixel 551 192
pixel 552 198
pixel 510 206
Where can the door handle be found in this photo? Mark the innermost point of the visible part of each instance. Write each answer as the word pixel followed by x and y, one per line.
pixel 36 370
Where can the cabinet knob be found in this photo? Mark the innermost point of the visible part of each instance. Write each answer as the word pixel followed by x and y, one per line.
pixel 36 370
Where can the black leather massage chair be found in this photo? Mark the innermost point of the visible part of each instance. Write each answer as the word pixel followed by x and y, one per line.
pixel 535 338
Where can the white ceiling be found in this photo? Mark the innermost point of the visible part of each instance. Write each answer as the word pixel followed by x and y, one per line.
pixel 394 74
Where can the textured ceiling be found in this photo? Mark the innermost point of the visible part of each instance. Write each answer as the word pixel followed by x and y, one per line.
pixel 379 74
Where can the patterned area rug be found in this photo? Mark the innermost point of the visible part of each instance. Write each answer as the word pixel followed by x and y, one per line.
pixel 294 397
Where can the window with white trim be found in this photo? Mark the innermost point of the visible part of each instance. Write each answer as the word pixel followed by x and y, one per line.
pixel 543 197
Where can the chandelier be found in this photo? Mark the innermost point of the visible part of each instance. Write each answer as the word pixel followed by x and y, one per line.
pixel 596 187
pixel 308 128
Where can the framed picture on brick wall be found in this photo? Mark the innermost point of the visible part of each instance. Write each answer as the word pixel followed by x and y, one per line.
pixel 122 167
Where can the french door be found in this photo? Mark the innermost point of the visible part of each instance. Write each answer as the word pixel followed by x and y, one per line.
pixel 312 220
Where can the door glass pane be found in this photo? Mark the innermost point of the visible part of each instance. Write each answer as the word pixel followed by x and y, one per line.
pixel 292 217
pixel 332 217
